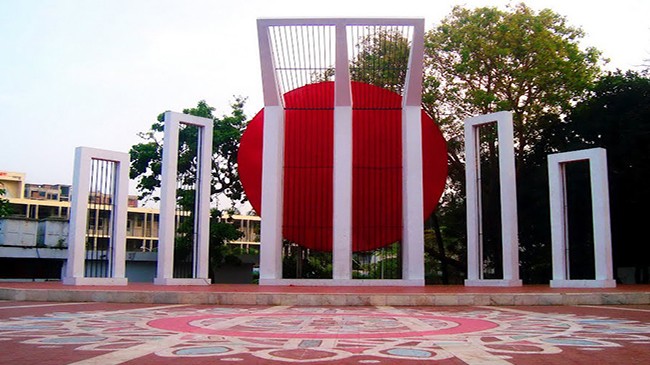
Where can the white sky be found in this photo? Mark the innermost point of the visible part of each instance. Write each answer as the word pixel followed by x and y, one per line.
pixel 94 73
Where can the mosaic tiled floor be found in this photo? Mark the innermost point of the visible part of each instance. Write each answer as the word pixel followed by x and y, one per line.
pixel 317 335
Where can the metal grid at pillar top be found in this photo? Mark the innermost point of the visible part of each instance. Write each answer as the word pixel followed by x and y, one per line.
pixel 303 55
pixel 379 55
pixel 299 52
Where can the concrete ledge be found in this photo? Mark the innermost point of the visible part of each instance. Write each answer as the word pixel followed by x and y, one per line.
pixel 559 283
pixel 493 283
pixel 182 281
pixel 340 282
pixel 78 280
pixel 315 296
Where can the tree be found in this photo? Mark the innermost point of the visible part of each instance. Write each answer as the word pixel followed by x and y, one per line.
pixel 146 158
pixel 381 60
pixel 5 209
pixel 616 117
pixel 146 169
pixel 486 60
pixel 221 232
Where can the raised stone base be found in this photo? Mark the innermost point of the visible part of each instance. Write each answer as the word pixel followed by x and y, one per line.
pixel 94 281
pixel 493 282
pixel 583 283
pixel 182 281
pixel 340 282
pixel 237 294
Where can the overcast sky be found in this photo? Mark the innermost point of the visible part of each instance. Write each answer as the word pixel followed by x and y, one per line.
pixel 95 73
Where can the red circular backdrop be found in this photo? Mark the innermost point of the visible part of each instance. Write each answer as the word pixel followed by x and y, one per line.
pixel 377 166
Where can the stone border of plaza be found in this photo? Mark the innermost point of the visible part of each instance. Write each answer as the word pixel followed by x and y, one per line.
pixel 615 297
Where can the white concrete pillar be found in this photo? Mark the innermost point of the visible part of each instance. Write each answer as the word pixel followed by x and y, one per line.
pixel 412 195
pixel 167 228
pixel 597 158
pixel 272 195
pixel 412 183
pixel 75 274
pixel 342 174
pixel 272 163
pixel 508 192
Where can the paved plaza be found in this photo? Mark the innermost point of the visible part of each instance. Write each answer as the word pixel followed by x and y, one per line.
pixel 122 333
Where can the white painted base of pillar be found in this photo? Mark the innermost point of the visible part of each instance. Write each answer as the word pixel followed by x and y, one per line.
pixel 94 281
pixel 583 283
pixel 493 283
pixel 182 281
pixel 341 282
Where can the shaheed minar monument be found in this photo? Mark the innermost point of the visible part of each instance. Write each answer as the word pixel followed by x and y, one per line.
pixel 339 162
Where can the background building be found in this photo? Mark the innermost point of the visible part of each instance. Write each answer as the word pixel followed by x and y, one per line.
pixel 33 239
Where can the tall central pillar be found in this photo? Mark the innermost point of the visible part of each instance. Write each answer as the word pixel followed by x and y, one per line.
pixel 283 41
pixel 342 219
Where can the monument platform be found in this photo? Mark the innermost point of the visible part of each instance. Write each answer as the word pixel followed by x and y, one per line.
pixel 251 294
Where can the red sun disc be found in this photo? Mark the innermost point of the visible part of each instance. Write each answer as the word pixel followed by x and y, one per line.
pixel 377 166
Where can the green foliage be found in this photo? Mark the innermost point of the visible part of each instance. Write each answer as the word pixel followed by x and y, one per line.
pixel 385 267
pixel 380 59
pixel 486 60
pixel 146 157
pixel 5 209
pixel 221 232
pixel 445 259
pixel 310 265
pixel 616 117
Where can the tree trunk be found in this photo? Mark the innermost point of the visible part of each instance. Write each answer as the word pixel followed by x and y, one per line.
pixel 441 249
